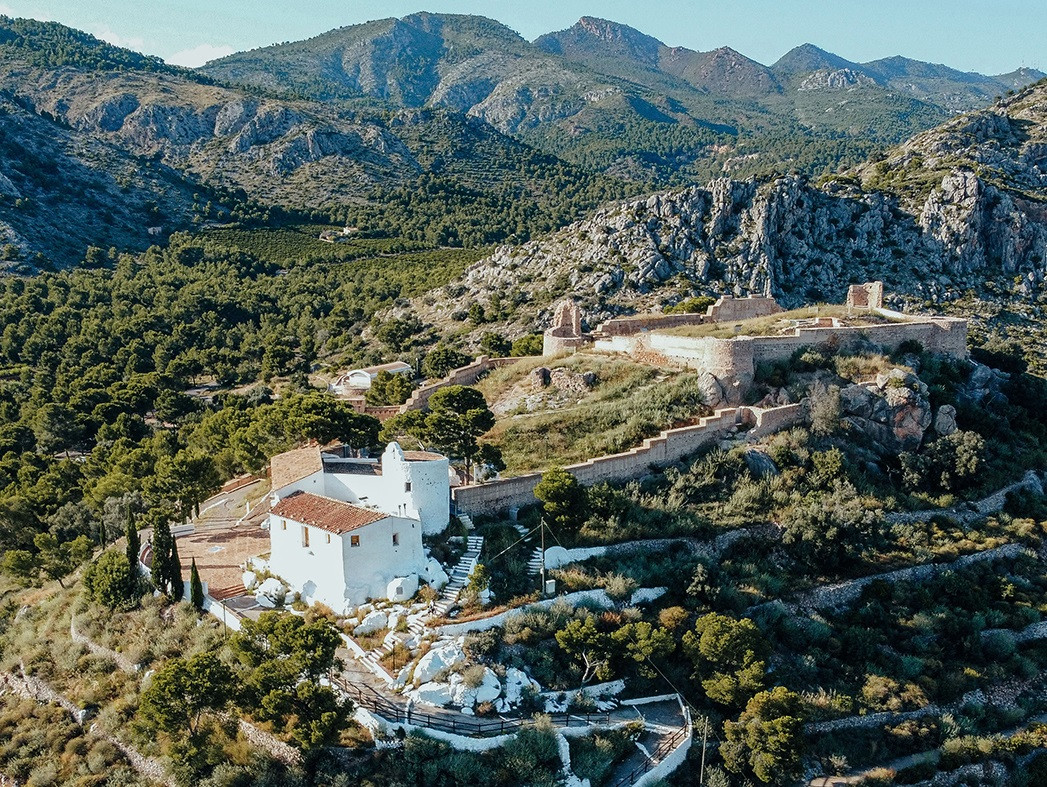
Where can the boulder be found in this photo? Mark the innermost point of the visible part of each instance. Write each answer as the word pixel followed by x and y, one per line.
pixel 249 578
pixel 438 659
pixel 273 590
pixel 556 557
pixel 490 688
pixel 515 682
pixel 760 464
pixel 711 391
pixel 945 420
pixel 375 620
pixel 438 694
pixel 402 588
pixel 434 574
pixel 539 378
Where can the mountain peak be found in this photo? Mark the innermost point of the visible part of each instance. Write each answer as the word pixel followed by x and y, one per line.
pixel 807 58
pixel 591 36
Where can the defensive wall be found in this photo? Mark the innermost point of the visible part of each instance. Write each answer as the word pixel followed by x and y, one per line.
pixel 566 332
pixel 464 375
pixel 667 448
pixel 735 359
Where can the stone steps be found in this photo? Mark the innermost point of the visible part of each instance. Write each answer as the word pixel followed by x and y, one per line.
pixel 534 565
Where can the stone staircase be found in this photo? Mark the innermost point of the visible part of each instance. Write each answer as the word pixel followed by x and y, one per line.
pixel 459 575
pixel 459 579
pixel 534 565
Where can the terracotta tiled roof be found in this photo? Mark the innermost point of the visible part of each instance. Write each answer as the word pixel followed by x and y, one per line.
pixel 291 466
pixel 422 456
pixel 334 516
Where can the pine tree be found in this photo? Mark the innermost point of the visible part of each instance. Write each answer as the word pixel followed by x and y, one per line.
pixel 174 573
pixel 196 588
pixel 162 543
pixel 134 542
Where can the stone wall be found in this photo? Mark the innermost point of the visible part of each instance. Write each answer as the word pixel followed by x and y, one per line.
pixel 630 326
pixel 733 361
pixel 667 448
pixel 728 309
pixel 464 375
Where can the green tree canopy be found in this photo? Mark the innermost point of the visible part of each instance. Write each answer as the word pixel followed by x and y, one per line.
pixel 767 739
pixel 562 498
pixel 111 581
pixel 729 657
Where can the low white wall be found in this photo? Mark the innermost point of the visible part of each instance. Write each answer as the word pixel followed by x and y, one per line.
pixel 676 757
pixel 222 612
pixel 597 597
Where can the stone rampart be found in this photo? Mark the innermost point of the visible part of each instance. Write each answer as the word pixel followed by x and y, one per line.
pixel 630 326
pixel 464 375
pixel 733 361
pixel 667 448
pixel 728 309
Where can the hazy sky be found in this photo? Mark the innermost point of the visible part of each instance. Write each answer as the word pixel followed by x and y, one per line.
pixel 990 37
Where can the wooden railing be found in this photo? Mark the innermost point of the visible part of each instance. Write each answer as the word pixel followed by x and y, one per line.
pixel 403 713
pixel 667 747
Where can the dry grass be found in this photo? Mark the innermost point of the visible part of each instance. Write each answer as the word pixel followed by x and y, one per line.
pixel 777 324
pixel 630 403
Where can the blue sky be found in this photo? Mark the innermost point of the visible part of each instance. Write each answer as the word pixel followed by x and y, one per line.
pixel 990 37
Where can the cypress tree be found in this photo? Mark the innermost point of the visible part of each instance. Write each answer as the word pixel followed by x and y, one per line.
pixel 196 588
pixel 134 542
pixel 174 573
pixel 162 543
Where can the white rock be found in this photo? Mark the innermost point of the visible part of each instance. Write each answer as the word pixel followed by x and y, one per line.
pixel 490 689
pixel 249 578
pixel 556 557
pixel 402 588
pixel 438 694
pixel 515 682
pixel 438 659
pixel 374 621
pixel 273 590
pixel 394 621
pixel 502 706
pixel 434 574
pixel 647 595
pixel 265 601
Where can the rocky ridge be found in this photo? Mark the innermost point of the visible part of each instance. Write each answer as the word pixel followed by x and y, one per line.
pixel 798 241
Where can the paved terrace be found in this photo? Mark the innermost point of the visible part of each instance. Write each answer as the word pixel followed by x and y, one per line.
pixel 222 543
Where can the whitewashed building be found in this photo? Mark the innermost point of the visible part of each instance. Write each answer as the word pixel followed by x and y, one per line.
pixel 341 554
pixel 361 379
pixel 343 529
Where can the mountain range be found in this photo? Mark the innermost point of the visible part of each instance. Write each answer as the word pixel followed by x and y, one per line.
pixel 605 94
pixel 108 147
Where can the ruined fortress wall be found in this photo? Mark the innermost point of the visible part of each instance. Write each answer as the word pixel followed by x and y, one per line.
pixel 630 326
pixel 738 309
pixel 940 335
pixel 667 448
pixel 552 344
pixel 725 359
pixel 464 375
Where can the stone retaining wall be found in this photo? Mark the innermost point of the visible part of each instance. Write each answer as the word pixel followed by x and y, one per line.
pixel 464 375
pixel 667 448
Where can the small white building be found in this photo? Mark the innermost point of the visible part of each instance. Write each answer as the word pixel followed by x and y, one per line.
pixel 361 379
pixel 341 554
pixel 368 515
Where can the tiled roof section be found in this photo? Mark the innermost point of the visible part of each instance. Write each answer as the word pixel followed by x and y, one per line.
pixel 422 456
pixel 291 466
pixel 334 516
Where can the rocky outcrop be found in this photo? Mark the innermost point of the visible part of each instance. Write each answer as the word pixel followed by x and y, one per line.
pixel 892 414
